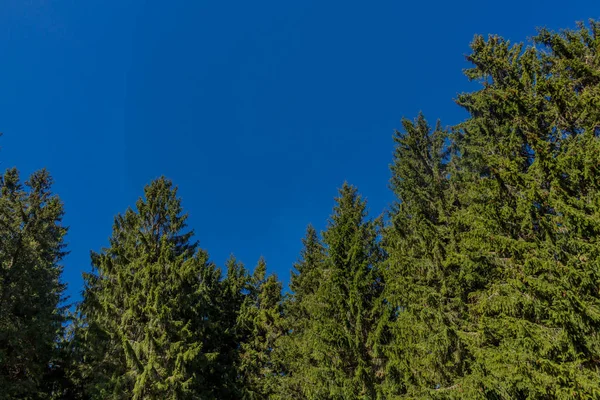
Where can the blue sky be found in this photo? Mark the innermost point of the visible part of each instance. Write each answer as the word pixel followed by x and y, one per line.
pixel 258 110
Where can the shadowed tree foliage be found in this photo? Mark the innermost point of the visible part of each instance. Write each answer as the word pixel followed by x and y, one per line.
pixel 262 317
pixel 289 348
pixel 31 316
pixel 306 278
pixel 424 298
pixel 333 342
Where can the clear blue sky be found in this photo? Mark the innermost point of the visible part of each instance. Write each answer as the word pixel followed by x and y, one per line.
pixel 257 110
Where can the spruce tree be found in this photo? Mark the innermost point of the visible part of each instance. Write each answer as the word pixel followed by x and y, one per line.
pixel 31 315
pixel 424 301
pixel 305 279
pixel 292 347
pixel 230 332
pixel 338 358
pixel 149 308
pixel 262 318
pixel 529 217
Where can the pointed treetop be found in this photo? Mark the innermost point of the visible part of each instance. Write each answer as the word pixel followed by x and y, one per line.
pixel 260 271
pixel 303 279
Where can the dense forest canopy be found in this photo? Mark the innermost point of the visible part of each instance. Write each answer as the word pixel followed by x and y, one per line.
pixel 482 281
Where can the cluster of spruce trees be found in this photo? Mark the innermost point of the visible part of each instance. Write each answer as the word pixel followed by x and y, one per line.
pixel 481 282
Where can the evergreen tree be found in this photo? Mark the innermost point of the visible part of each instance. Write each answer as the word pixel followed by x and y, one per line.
pixel 529 220
pixel 149 308
pixel 484 284
pixel 262 318
pixel 423 307
pixel 292 348
pixel 305 279
pixel 31 316
pixel 338 358
pixel 230 333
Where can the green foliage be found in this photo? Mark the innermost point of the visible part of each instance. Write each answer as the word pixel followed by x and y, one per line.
pixel 483 284
pixel 306 279
pixel 492 278
pixel 291 348
pixel 335 356
pixel 262 318
pixel 529 176
pixel 151 316
pixel 418 335
pixel 31 316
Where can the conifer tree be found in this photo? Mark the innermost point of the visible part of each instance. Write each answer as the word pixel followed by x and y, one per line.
pixel 292 347
pixel 485 284
pixel 31 315
pixel 262 318
pixel 149 307
pixel 529 174
pixel 306 277
pixel 229 331
pixel 418 335
pixel 338 357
